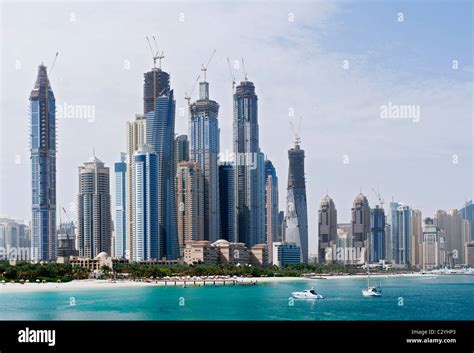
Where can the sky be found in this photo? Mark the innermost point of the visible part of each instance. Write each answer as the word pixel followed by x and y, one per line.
pixel 335 64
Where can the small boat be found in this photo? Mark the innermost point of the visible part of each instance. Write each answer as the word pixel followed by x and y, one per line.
pixel 307 294
pixel 371 292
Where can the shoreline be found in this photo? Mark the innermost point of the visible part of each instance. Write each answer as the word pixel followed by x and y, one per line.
pixel 90 284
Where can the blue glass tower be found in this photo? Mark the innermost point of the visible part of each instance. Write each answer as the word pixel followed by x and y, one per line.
pixel 204 150
pixel 271 207
pixel 120 207
pixel 401 232
pixel 160 137
pixel 43 168
pixel 377 234
pixel 145 204
pixel 249 177
pixel 296 205
pixel 226 200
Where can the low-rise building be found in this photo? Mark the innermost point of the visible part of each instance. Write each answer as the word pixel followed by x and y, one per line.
pixel 231 253
pixel 259 255
pixel 96 264
pixel 223 252
pixel 285 254
pixel 470 254
pixel 199 252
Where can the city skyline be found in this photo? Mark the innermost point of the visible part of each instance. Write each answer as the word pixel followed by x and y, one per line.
pixel 276 152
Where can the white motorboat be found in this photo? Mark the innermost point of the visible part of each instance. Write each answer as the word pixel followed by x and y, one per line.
pixel 307 294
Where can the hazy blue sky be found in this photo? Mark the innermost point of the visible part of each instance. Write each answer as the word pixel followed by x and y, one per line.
pixel 295 65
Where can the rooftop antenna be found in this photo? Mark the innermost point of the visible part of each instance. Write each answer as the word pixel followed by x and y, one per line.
pixel 243 67
pixel 296 133
pixel 188 97
pixel 231 74
pixel 204 68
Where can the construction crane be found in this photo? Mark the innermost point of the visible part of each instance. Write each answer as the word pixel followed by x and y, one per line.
pixel 54 63
pixel 245 71
pixel 188 97
pixel 231 74
pixel 296 133
pixel 67 218
pixel 156 55
pixel 379 196
pixel 204 68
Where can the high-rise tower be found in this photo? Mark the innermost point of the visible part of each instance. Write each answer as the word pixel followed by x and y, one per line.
pixel 120 207
pixel 249 189
pixel 145 204
pixel 271 207
pixel 226 201
pixel 43 168
pixel 159 109
pixel 327 230
pixel 296 204
pixel 360 223
pixel 204 150
pixel 94 231
pixel 136 137
pixel 190 198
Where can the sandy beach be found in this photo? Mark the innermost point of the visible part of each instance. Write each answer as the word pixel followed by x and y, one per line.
pixel 91 284
pixel 106 284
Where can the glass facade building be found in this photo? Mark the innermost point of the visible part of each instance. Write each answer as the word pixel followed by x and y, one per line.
pixel 226 201
pixel 204 149
pixel 43 168
pixel 377 244
pixel 120 207
pixel 271 206
pixel 296 205
pixel 161 138
pixel 94 223
pixel 145 196
pixel 249 175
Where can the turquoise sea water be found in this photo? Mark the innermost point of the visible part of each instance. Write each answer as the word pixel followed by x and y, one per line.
pixel 404 298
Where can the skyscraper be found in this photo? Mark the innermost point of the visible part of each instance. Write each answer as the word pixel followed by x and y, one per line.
pixel 281 226
pixel 467 212
pixel 135 137
pixel 296 204
pixel 360 221
pixel 43 168
pixel 160 109
pixel 271 207
pixel 66 240
pixel 432 251
pixel 94 222
pixel 204 150
pixel 327 229
pixel 402 233
pixel 157 83
pixel 181 148
pixel 120 207
pixel 417 238
pixel 458 232
pixel 226 201
pixel 145 196
pixel 248 192
pixel 377 239
pixel 190 199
